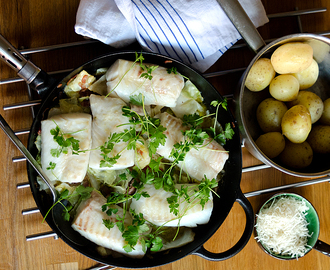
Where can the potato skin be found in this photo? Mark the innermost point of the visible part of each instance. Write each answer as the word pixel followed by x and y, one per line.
pixel 271 144
pixel 312 102
pixel 284 87
pixel 296 155
pixel 270 113
pixel 325 117
pixel 292 57
pixel 319 139
pixel 260 75
pixel 296 124
pixel 308 77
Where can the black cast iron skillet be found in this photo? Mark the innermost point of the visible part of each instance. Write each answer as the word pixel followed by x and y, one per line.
pixel 229 188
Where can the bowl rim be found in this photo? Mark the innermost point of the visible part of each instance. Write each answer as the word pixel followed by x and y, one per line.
pixel 311 209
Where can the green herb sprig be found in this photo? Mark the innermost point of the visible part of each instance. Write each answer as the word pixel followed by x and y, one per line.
pixel 64 144
pixel 83 192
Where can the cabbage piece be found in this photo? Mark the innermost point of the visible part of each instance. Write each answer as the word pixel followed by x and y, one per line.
pixel 82 81
pixel 42 184
pixel 69 105
pixel 101 71
pixel 141 157
pixel 111 178
pixel 190 101
pixel 185 236
pixel 100 86
pixel 63 186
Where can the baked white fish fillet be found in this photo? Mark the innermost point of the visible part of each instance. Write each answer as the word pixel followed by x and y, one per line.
pixel 123 80
pixel 89 223
pixel 69 168
pixel 156 209
pixel 107 116
pixel 208 160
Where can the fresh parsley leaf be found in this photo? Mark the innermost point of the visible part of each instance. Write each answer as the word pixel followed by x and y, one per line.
pixel 55 152
pixel 84 192
pixel 52 166
pixel 109 224
pixel 66 215
pixel 64 144
pixel 172 70
pixel 193 120
pixel 148 71
pixel 139 58
pixel 137 99
pixel 157 244
pixel 225 135
pixel 108 161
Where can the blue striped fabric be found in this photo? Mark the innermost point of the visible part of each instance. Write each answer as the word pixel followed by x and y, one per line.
pixel 164 31
pixel 196 32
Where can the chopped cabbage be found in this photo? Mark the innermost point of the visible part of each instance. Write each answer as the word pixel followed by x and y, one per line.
pixel 189 101
pixel 100 86
pixel 69 105
pixel 111 178
pixel 185 236
pixel 82 81
pixel 141 157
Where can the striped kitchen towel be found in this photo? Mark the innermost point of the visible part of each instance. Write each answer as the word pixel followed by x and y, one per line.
pixel 195 32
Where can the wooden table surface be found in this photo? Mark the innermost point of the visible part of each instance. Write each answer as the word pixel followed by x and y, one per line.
pixel 34 23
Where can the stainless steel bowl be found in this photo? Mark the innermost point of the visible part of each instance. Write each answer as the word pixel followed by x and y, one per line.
pixel 248 101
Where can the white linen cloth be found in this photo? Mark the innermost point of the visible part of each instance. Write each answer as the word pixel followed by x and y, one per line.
pixel 193 31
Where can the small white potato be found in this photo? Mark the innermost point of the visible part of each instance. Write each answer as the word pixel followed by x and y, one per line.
pixel 292 57
pixel 296 155
pixel 271 144
pixel 325 117
pixel 270 113
pixel 312 102
pixel 320 49
pixel 260 75
pixel 284 87
pixel 319 139
pixel 296 124
pixel 308 77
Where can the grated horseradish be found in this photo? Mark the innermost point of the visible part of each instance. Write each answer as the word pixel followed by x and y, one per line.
pixel 282 227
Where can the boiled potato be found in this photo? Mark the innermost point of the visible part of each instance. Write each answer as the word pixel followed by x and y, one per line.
pixel 325 117
pixel 260 75
pixel 269 114
pixel 308 77
pixel 320 49
pixel 271 144
pixel 296 155
pixel 312 102
pixel 284 87
pixel 296 124
pixel 292 57
pixel 319 139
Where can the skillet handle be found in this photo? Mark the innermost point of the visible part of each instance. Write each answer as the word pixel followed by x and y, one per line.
pixel 38 80
pixel 322 247
pixel 243 24
pixel 243 201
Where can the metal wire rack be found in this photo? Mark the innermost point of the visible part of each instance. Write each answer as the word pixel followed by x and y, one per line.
pixel 33 103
